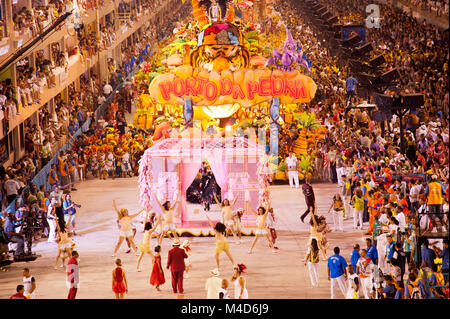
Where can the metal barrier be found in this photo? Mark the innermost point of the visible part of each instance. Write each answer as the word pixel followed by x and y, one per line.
pixel 405 177
pixel 41 177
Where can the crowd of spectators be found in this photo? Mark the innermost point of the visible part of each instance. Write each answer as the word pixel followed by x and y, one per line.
pixel 90 4
pixel 361 156
pixel 107 35
pixel 437 7
pixel 8 107
pixel 35 20
pixel 87 42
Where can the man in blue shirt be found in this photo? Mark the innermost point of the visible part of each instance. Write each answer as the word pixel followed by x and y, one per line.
pixel 80 116
pixel 12 236
pixel 445 261
pixel 389 251
pixel 350 84
pixel 372 252
pixel 355 256
pixel 428 254
pixel 337 273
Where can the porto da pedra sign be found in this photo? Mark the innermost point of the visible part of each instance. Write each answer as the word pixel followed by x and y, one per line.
pixel 244 86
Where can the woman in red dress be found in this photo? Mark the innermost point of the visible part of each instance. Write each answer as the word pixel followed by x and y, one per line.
pixel 157 276
pixel 119 280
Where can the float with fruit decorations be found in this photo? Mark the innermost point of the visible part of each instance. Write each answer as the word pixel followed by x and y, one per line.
pixel 228 80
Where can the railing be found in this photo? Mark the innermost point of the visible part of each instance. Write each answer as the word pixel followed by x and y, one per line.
pixel 408 177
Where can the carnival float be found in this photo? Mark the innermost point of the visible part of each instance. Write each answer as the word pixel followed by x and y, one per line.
pixel 220 90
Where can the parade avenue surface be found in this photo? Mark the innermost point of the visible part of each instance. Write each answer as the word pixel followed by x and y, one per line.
pixel 280 275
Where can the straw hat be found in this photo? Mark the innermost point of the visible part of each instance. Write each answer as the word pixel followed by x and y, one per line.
pixel 176 242
pixel 215 272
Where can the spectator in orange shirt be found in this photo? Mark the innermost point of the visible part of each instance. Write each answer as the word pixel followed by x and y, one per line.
pixel 404 204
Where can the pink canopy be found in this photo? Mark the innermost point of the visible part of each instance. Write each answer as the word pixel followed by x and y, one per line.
pixel 169 167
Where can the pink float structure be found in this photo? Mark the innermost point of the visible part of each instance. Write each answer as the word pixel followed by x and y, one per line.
pixel 169 167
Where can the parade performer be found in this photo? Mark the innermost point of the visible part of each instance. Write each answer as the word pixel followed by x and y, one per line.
pixel 262 229
pixel 227 215
pixel 73 275
pixel 65 244
pixel 237 228
pixel 372 205
pixel 338 206
pixel 358 204
pixel 318 230
pixel 221 242
pixel 240 290
pixel 145 246
pixel 312 260
pixel 125 228
pixel 186 245
pixel 270 222
pixel 175 261
pixel 119 280
pixel 109 165
pixel 208 187
pixel 309 197
pixel 166 220
pixel 157 276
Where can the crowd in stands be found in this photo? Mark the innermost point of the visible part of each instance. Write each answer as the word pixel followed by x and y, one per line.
pixel 35 20
pixel 90 4
pixel 87 42
pixel 400 196
pixel 108 35
pixel 437 7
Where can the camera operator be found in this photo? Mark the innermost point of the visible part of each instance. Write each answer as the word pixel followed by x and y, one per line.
pixel 12 236
pixel 31 224
pixel 39 215
pixel 69 210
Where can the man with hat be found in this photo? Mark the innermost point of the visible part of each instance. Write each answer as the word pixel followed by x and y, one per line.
pixel 175 261
pixel 435 198
pixel 213 285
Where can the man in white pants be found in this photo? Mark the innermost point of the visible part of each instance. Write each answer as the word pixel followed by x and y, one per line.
pixel 52 219
pixel 291 164
pixel 346 192
pixel 340 170
pixel 336 209
pixel 337 273
pixel 364 269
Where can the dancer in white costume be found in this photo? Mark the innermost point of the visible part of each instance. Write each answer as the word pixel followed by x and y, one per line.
pixel 262 229
pixel 240 290
pixel 227 215
pixel 166 220
pixel 126 230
